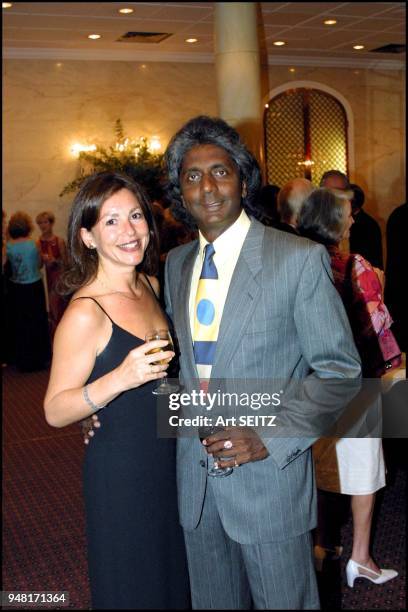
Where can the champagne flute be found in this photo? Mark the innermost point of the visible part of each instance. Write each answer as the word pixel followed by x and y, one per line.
pixel 204 432
pixel 161 334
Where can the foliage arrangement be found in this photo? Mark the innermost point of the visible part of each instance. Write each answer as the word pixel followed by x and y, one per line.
pixel 125 155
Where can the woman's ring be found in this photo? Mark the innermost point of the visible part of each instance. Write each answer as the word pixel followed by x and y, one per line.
pixel 236 464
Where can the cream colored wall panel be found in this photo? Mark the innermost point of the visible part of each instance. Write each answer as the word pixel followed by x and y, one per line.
pixel 48 107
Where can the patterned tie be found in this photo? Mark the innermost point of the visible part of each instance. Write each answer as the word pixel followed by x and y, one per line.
pixel 206 317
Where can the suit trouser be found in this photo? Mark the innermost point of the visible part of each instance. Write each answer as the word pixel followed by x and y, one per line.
pixel 227 575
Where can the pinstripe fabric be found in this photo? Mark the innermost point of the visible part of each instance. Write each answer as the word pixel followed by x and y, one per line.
pixel 282 319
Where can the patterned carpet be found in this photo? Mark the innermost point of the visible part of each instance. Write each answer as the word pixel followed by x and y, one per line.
pixel 43 523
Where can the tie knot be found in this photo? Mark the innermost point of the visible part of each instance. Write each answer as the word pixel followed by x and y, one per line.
pixel 209 251
pixel 209 269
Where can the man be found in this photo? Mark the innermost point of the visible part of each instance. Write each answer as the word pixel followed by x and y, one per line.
pixel 365 233
pixel 334 179
pixel 395 281
pixel 290 200
pixel 248 534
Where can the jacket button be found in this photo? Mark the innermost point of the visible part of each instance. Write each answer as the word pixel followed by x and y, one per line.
pixel 202 463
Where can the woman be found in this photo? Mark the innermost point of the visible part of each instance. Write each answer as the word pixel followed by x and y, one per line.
pixel 101 364
pixel 54 256
pixel 326 217
pixel 26 296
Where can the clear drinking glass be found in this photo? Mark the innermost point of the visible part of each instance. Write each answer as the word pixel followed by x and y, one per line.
pixel 161 334
pixel 204 432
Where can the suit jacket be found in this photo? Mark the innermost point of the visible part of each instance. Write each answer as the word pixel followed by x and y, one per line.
pixel 282 319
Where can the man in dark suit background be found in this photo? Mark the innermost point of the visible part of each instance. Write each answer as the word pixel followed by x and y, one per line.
pixel 365 233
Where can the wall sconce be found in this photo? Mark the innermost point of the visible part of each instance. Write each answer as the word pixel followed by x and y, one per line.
pixel 77 148
pixel 307 163
pixel 154 145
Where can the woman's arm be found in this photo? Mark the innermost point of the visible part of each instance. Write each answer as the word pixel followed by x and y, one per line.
pixel 76 345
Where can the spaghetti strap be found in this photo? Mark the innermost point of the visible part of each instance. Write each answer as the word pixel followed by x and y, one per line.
pixel 151 286
pixel 86 297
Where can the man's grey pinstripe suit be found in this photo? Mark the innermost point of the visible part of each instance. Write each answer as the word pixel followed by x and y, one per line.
pixel 283 318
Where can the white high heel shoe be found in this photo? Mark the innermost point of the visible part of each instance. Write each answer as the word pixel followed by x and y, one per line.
pixel 352 572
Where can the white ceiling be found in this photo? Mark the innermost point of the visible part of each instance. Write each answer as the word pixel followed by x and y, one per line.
pixel 60 30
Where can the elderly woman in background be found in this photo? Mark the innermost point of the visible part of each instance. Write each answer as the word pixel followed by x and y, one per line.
pixel 54 256
pixel 26 296
pixel 326 217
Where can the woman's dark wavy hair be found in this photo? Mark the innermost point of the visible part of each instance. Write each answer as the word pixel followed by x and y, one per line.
pixel 321 217
pixel 209 130
pixel 94 191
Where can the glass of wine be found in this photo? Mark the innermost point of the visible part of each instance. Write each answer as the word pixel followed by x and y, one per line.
pixel 161 334
pixel 204 432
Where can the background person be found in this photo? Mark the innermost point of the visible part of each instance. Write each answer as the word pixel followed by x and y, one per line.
pixel 326 217
pixel 26 297
pixel 395 277
pixel 365 233
pixel 102 364
pixel 290 200
pixel 54 256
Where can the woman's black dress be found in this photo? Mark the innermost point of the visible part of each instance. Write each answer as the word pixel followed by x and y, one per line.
pixel 136 549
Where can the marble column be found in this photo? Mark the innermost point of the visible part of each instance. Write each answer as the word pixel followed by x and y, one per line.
pixel 238 71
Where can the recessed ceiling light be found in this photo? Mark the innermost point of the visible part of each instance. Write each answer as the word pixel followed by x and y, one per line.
pixel 358 47
pixel 126 11
pixel 330 22
pixel 94 36
pixel 6 5
pixel 292 70
pixel 266 105
pixel 191 40
pixel 279 43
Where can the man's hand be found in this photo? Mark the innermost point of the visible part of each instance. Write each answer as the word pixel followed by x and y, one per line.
pixel 236 445
pixel 88 426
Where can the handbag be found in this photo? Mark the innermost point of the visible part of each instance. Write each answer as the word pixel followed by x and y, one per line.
pixel 390 350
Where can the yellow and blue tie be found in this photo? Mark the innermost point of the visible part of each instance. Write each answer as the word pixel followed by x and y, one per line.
pixel 206 317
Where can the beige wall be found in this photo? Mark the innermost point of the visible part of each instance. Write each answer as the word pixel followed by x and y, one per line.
pixel 48 107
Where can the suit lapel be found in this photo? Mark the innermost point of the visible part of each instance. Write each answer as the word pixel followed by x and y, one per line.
pixel 241 299
pixel 182 314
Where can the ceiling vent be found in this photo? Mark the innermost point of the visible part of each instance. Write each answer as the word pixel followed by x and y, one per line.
pixel 143 37
pixel 392 48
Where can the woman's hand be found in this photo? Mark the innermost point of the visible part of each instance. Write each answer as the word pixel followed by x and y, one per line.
pixel 140 367
pixel 381 278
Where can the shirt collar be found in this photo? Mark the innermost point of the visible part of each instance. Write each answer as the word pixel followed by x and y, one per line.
pixel 230 240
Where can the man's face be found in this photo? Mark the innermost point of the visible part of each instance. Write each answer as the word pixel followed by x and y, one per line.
pixel 211 189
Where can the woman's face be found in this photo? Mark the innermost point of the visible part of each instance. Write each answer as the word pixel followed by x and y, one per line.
pixel 121 234
pixel 44 225
pixel 348 220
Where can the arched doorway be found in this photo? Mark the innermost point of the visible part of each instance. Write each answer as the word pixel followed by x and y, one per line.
pixel 306 133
